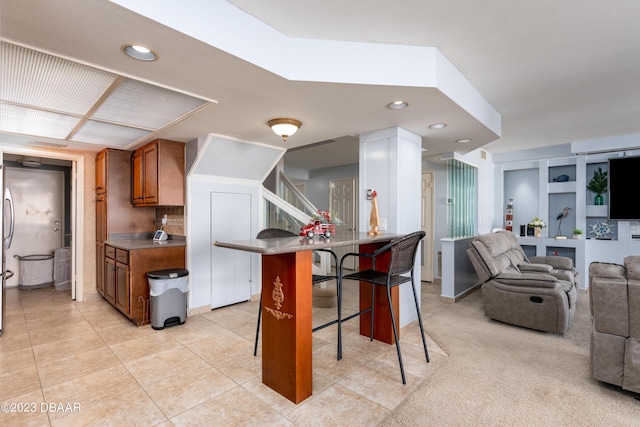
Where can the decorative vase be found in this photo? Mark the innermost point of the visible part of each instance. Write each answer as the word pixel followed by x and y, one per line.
pixel 598 200
pixel 577 236
pixel 537 232
pixel 374 219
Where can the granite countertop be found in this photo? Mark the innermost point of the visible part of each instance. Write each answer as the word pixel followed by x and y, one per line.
pixel 281 245
pixel 141 241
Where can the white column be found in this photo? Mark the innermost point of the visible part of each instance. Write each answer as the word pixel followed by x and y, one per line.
pixel 390 163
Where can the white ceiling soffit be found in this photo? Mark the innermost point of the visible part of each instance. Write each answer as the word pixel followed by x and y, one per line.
pixel 226 27
pixel 105 109
pixel 217 156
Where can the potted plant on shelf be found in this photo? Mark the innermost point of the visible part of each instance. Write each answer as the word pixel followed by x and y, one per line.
pixel 577 233
pixel 537 224
pixel 598 185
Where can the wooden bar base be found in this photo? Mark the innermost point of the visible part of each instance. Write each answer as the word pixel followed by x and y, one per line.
pixel 383 328
pixel 287 324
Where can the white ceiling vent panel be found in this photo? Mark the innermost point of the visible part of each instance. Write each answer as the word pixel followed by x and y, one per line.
pixel 46 96
pixel 29 121
pixel 108 134
pixel 50 83
pixel 140 104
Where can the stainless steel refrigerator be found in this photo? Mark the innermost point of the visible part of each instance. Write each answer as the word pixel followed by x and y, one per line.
pixel 7 223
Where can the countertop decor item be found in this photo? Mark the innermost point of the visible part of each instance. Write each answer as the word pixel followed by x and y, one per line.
pixel 562 215
pixel 598 185
pixel 601 229
pixel 537 224
pixel 374 219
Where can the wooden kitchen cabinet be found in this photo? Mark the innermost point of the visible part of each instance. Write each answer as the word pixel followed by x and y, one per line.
pixel 114 212
pixel 101 180
pixel 158 175
pixel 125 277
pixel 110 280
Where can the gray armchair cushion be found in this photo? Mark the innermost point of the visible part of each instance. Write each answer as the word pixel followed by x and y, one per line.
pixel 558 262
pixel 534 280
pixel 632 267
pixel 535 268
pixel 609 299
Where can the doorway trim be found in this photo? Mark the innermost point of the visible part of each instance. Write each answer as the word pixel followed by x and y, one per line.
pixel 77 209
pixel 427 216
pixel 351 262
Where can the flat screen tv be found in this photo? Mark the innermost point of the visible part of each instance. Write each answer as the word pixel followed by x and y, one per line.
pixel 623 177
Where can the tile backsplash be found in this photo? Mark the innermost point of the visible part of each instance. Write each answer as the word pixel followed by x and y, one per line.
pixel 175 219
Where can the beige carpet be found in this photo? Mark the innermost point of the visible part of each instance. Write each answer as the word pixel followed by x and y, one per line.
pixel 503 375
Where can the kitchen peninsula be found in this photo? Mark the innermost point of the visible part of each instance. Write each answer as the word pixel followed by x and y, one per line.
pixel 287 306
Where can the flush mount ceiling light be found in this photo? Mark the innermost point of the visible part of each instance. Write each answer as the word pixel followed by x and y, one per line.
pixel 438 126
pixel 284 127
pixel 398 105
pixel 463 140
pixel 30 162
pixel 139 52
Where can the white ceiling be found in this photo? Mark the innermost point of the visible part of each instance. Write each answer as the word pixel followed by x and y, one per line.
pixel 557 71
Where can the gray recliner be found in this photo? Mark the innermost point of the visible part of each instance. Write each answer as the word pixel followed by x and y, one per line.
pixel 614 297
pixel 540 293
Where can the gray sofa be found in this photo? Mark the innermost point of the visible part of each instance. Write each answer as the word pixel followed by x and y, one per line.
pixel 614 296
pixel 537 293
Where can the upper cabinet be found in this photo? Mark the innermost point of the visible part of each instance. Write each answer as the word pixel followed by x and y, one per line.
pixel 101 172
pixel 158 174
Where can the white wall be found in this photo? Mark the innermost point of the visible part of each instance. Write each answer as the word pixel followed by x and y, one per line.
pixel 201 234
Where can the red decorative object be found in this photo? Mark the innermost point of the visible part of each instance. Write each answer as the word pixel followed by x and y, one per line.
pixel 316 226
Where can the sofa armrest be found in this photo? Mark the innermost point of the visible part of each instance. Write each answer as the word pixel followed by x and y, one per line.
pixel 534 280
pixel 535 268
pixel 563 275
pixel 558 262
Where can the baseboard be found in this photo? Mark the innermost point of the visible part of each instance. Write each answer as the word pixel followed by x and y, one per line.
pixel 453 300
pixel 198 310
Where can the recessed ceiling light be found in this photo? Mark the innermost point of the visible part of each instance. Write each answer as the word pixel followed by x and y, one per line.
pixel 438 126
pixel 139 52
pixel 464 140
pixel 398 105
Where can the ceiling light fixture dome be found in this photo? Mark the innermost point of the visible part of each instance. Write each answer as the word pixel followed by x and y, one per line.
pixel 139 52
pixel 438 126
pixel 30 162
pixel 463 140
pixel 284 127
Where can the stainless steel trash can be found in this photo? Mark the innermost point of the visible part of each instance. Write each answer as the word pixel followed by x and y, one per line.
pixel 168 297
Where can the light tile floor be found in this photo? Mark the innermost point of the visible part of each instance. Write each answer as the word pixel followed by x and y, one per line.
pixel 64 363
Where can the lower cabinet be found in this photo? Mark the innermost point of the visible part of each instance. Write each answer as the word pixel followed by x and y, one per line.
pixel 125 277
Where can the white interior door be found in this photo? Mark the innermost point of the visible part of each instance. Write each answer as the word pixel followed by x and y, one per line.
pixel 231 269
pixel 343 203
pixel 427 199
pixel 38 197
